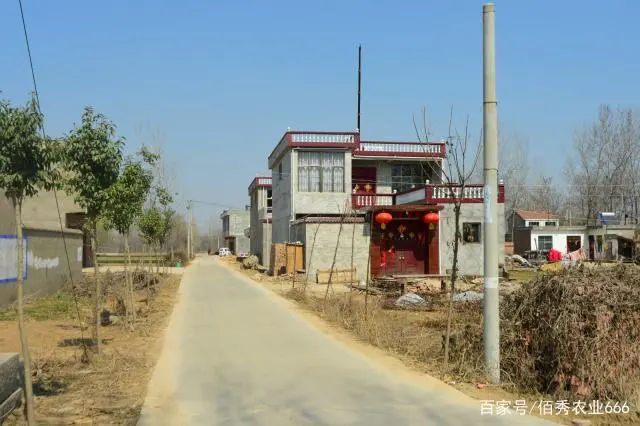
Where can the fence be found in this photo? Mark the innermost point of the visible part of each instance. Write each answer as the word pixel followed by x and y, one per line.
pixel 137 258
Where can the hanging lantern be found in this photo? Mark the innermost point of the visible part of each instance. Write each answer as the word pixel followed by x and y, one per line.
pixel 383 218
pixel 431 219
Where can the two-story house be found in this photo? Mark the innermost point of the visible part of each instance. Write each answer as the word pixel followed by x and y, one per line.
pixel 260 218
pixel 235 230
pixel 325 183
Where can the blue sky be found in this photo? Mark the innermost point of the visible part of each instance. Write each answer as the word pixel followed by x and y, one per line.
pixel 223 80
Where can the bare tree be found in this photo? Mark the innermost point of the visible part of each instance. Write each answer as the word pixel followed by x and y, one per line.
pixel 604 172
pixel 461 162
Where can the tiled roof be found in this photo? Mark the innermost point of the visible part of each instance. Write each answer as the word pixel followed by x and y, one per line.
pixel 536 215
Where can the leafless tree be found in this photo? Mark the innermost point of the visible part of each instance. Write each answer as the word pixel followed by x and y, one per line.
pixel 461 162
pixel 604 172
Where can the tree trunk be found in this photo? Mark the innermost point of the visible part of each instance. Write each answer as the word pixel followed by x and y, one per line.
pixel 28 388
pixel 353 235
pixel 335 255
pixel 146 279
pixel 129 279
pixel 96 274
pixel 366 289
pixel 454 276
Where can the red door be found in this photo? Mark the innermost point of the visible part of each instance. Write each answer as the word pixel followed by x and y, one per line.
pixel 399 249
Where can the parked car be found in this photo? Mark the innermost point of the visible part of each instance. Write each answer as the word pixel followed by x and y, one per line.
pixel 224 251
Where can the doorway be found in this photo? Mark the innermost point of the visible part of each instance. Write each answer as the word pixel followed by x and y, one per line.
pixel 592 247
pixel 574 242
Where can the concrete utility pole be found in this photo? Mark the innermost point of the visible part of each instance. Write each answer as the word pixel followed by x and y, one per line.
pixel 491 228
pixel 189 237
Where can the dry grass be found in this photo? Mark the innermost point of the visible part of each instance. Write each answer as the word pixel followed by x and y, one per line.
pixel 575 333
pixel 108 390
pixel 416 337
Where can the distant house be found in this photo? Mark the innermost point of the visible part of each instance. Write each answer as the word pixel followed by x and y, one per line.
pixel 235 230
pixel 525 218
pixel 260 222
pixel 599 242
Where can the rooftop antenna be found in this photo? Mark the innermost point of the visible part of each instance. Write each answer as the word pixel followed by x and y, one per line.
pixel 359 83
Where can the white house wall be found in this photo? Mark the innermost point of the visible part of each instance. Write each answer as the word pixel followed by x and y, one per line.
pixel 559 239
pixel 470 255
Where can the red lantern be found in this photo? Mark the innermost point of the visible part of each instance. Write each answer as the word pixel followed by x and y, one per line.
pixel 431 219
pixel 383 218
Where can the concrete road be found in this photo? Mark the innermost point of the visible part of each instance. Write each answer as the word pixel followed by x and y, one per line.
pixel 235 355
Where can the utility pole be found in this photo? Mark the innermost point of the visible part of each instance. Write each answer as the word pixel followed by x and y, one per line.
pixel 490 134
pixel 189 229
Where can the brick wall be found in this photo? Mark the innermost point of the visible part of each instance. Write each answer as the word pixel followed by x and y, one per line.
pixel 320 245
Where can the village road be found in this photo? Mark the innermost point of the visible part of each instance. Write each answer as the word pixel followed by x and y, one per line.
pixel 234 355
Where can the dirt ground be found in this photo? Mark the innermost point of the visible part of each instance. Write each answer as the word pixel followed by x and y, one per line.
pixel 108 390
pixel 423 363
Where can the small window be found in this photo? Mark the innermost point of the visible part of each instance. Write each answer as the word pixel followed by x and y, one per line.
pixel 545 242
pixel 471 232
pixel 280 171
pixel 534 223
pixel 549 224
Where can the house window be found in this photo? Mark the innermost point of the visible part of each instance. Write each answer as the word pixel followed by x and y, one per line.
pixel 599 242
pixel 574 242
pixel 534 223
pixel 471 232
pixel 269 200
pixel 320 171
pixel 406 177
pixel 549 224
pixel 545 242
pixel 280 171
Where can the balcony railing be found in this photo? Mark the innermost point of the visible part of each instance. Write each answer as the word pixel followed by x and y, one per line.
pixel 400 149
pixel 438 194
pixel 371 200
pixel 304 139
pixel 259 181
pixel 431 194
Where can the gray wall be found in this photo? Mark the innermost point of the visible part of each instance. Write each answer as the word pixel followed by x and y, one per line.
pixel 234 223
pixel 47 267
pixel 470 256
pixel 258 213
pixel 319 255
pixel 281 195
pixel 41 211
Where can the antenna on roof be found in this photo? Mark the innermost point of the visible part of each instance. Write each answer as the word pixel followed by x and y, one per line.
pixel 359 83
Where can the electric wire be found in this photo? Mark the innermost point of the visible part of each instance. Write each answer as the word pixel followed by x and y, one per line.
pixel 55 192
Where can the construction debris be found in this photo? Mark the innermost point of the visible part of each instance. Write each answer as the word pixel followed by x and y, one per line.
pixel 410 300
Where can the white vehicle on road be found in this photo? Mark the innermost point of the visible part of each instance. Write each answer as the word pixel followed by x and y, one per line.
pixel 224 251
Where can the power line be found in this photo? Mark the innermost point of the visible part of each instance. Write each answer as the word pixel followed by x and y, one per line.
pixel 55 192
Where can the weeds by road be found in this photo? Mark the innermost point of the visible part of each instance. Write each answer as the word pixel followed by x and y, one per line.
pixel 416 338
pixel 108 390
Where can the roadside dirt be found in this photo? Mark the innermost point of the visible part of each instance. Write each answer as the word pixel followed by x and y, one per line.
pixel 110 389
pixel 426 371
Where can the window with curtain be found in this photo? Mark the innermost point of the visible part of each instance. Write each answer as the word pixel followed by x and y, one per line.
pixel 320 171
